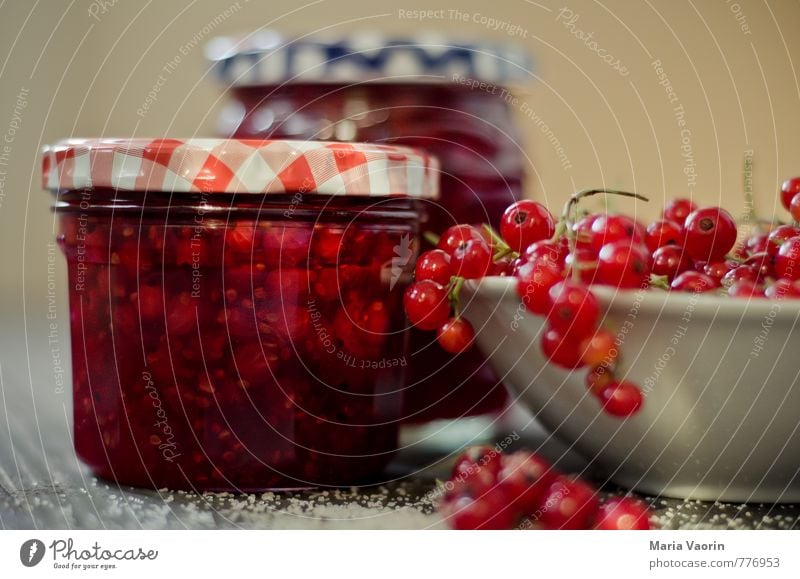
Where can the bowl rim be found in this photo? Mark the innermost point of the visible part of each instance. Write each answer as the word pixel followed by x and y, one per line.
pixel 659 302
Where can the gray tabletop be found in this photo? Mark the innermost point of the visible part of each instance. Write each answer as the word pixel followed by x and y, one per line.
pixel 43 485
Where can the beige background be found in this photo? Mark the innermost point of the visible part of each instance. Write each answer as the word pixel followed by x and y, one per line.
pixel 87 75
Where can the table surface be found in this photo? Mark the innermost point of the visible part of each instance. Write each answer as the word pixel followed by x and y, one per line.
pixel 43 485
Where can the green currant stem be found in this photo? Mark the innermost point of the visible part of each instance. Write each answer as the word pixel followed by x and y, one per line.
pixel 659 281
pixel 504 253
pixel 495 237
pixel 576 197
pixel 457 283
pixel 565 224
pixel 503 249
pixel 431 238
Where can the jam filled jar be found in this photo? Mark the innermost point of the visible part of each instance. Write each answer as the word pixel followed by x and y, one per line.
pixel 446 97
pixel 236 306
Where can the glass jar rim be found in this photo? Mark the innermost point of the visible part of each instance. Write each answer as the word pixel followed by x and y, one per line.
pixel 240 166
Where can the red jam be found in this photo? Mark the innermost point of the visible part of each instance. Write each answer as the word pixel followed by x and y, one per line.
pixel 237 342
pixel 473 134
pixel 246 352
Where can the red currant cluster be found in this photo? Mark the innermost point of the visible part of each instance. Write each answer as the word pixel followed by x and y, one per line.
pixel 464 252
pixel 491 490
pixel 689 249
pixel 553 277
pixel 694 250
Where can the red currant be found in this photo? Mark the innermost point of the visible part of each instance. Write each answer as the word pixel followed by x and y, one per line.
pixel 561 349
pixel 623 514
pixel 761 264
pixel 718 269
pixel 573 309
pixel 515 265
pixel 745 289
pixel 534 282
pixel 742 272
pixel 585 260
pixel 756 243
pixel 670 261
pixel 489 511
pixel 553 251
pixel 471 260
pixel 710 233
pixel 523 479
pixel 794 208
pixel 783 289
pixel 434 265
pixel 624 265
pixel 526 222
pixel 568 504
pixel 504 266
pixel 694 281
pixel 664 232
pixel 789 189
pixel 455 335
pixel 678 210
pixel 599 349
pixel 787 262
pixel 476 458
pixel 778 235
pixel 426 304
pixel 475 471
pixel 456 236
pixel 621 398
pixel 610 228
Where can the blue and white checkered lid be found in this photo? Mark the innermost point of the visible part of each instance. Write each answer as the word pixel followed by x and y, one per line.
pixel 269 58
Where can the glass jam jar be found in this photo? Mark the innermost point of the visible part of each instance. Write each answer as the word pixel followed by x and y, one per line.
pixel 236 307
pixel 449 98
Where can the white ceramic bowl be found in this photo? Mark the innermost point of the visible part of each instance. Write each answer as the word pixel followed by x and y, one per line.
pixel 721 417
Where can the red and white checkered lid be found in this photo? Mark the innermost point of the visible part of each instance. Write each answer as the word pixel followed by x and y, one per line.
pixel 240 166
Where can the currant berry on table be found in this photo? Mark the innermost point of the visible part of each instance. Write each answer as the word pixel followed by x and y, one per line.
pixel 490 489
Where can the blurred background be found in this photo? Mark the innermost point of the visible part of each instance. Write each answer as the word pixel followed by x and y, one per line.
pixel 599 107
